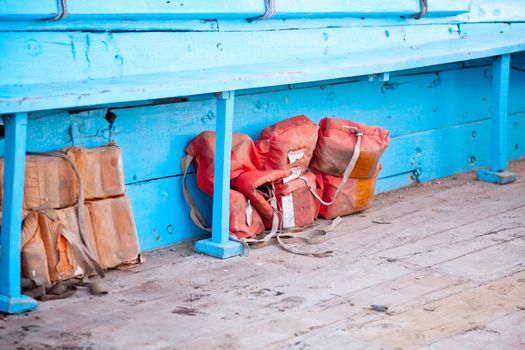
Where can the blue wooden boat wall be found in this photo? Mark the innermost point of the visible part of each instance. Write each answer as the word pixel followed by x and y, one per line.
pixel 439 114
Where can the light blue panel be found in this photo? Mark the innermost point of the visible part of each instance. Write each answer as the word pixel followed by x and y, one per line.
pixel 405 104
pixel 110 25
pixel 153 139
pixel 35 57
pixel 47 131
pixel 161 214
pixel 154 86
pixel 11 299
pixel 385 184
pixel 516 125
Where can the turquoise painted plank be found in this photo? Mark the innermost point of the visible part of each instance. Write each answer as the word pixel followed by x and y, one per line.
pixel 11 298
pixel 111 25
pixel 161 214
pixel 164 132
pixel 145 87
pixel 48 131
pixel 194 9
pixel 45 57
pixel 516 126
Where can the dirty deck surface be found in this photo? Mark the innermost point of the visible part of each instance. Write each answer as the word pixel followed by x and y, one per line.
pixel 447 258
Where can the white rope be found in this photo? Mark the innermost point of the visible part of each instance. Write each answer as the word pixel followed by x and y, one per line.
pixel 268 13
pixel 62 10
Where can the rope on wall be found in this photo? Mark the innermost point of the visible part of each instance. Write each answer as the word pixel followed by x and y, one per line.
pixel 62 10
pixel 269 11
pixel 423 4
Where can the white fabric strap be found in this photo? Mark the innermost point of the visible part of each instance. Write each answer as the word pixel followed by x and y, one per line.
pixel 348 171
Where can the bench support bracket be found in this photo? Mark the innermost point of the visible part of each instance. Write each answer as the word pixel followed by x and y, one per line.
pixel 220 245
pixel 11 299
pixel 500 94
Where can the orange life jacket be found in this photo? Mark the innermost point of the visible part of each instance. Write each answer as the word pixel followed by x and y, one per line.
pixel 101 170
pixel 355 195
pixel 297 205
pixel 259 187
pixel 244 157
pixel 288 144
pixel 114 231
pixel 33 252
pixel 245 221
pixel 49 182
pixel 336 144
pixel 285 193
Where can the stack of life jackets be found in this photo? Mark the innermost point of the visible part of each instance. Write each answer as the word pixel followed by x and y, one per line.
pixel 267 177
pixel 77 218
pixel 294 172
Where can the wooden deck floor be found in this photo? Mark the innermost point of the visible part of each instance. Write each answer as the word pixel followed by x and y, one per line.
pixel 449 262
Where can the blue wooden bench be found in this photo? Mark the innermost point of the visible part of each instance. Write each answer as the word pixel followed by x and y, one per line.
pixel 16 101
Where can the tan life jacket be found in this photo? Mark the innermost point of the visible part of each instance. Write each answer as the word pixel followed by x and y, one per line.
pixel 67 255
pixel 33 252
pixel 49 182
pixel 101 170
pixel 114 231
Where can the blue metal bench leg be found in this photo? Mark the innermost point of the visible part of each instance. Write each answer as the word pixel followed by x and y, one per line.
pixel 220 245
pixel 500 93
pixel 11 299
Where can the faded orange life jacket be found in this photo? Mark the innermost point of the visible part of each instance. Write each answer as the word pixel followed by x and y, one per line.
pixel 49 182
pixel 33 252
pixel 336 144
pixel 288 144
pixel 355 195
pixel 245 220
pixel 114 231
pixel 244 157
pixel 101 170
pixel 281 193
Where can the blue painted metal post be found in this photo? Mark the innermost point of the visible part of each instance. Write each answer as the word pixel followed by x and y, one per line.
pixel 500 95
pixel 11 299
pixel 220 245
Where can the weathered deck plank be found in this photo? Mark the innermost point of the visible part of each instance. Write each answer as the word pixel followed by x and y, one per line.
pixel 449 265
